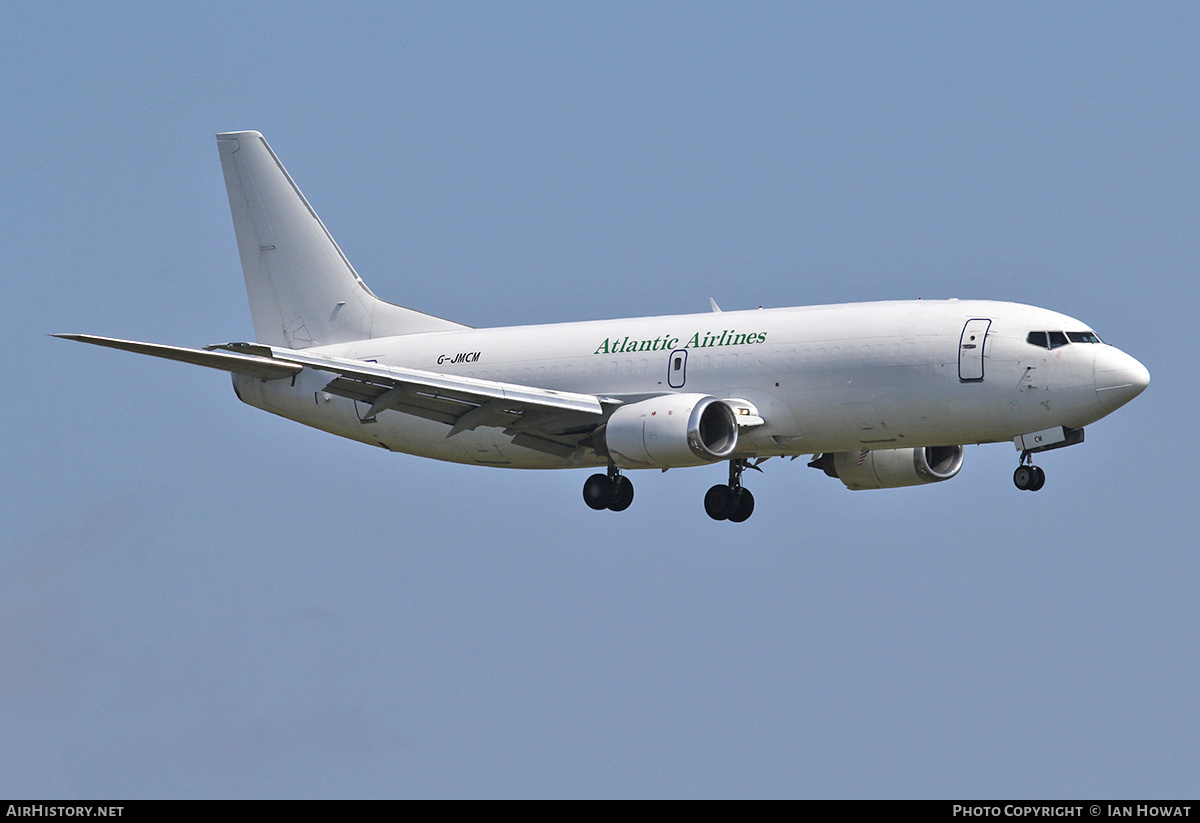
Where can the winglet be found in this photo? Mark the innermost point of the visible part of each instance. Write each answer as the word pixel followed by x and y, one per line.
pixel 715 307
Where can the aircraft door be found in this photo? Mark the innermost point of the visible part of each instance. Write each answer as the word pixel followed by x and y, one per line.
pixel 971 350
pixel 677 369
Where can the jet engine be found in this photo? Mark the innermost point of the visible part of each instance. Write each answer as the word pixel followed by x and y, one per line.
pixel 667 432
pixel 891 468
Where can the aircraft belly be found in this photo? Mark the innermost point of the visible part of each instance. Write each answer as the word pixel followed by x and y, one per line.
pixel 485 446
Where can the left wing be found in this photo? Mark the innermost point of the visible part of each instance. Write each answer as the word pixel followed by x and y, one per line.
pixel 547 420
pixel 264 367
pixel 551 421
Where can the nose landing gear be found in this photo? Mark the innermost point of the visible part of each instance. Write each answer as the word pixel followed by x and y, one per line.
pixel 612 491
pixel 732 502
pixel 1028 477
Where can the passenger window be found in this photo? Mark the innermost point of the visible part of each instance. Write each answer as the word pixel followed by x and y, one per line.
pixel 1057 339
pixel 1037 338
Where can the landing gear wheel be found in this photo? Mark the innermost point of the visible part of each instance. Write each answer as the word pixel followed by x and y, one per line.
pixel 599 493
pixel 1039 479
pixel 622 489
pixel 1029 478
pixel 719 502
pixel 743 506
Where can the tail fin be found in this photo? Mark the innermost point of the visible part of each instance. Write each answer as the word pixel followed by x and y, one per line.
pixel 303 291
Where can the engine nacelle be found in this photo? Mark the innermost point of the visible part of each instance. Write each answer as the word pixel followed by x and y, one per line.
pixel 667 432
pixel 892 468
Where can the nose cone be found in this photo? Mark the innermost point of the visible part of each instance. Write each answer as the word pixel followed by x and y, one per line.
pixel 1119 378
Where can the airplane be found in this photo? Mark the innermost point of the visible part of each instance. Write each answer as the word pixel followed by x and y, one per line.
pixel 881 395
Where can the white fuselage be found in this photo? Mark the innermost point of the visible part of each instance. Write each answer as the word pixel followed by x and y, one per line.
pixel 884 375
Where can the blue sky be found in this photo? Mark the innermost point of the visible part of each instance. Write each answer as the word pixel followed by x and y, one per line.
pixel 198 599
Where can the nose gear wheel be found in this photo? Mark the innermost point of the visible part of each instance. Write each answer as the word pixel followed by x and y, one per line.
pixel 1028 477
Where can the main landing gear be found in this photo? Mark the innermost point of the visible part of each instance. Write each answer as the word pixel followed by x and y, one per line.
pixel 612 491
pixel 731 502
pixel 1028 477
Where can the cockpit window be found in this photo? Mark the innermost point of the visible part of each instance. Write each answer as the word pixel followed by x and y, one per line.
pixel 1054 339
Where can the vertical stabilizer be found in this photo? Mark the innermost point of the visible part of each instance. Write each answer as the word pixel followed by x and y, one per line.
pixel 303 291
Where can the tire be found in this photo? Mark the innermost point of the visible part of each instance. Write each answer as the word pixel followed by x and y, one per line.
pixel 598 492
pixel 743 506
pixel 1039 479
pixel 622 494
pixel 1023 478
pixel 718 502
